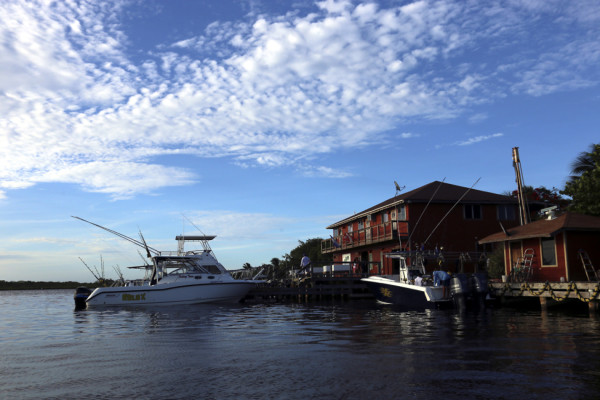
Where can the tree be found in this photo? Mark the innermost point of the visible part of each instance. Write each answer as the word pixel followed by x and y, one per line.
pixel 535 196
pixel 584 188
pixel 585 161
pixel 275 262
pixel 311 248
pixel 551 197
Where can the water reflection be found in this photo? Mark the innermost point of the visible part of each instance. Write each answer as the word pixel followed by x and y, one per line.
pixel 319 350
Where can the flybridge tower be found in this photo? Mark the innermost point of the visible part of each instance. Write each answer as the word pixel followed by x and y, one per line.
pixel 203 239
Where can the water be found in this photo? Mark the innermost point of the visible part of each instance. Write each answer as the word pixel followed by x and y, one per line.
pixel 349 350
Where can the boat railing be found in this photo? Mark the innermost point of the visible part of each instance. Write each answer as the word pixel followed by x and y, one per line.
pixel 169 253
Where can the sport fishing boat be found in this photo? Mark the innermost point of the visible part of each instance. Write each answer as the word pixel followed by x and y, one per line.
pixel 182 277
pixel 408 291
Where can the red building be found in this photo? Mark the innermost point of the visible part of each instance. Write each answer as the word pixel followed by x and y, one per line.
pixel 437 215
pixel 555 243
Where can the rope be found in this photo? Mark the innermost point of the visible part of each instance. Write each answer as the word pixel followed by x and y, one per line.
pixel 547 287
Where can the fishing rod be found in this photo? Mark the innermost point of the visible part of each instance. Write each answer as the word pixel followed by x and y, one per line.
pixel 425 209
pixel 452 208
pixel 131 240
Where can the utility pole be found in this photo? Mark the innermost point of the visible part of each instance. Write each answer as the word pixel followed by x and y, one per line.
pixel 523 209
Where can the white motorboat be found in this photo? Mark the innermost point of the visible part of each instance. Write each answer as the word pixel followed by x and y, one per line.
pixel 402 290
pixel 182 277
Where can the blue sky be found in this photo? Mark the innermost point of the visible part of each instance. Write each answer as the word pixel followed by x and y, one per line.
pixel 265 121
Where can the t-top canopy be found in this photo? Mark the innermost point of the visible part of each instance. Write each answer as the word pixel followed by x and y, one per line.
pixel 191 238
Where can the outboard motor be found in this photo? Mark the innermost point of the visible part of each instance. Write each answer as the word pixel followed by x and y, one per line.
pixel 80 296
pixel 479 284
pixel 460 289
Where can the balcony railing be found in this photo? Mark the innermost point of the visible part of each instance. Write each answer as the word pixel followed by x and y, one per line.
pixel 362 237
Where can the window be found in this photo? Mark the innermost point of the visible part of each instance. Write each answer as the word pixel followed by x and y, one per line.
pixel 472 211
pixel 402 213
pixel 350 228
pixel 506 212
pixel 361 225
pixel 548 251
pixel 386 217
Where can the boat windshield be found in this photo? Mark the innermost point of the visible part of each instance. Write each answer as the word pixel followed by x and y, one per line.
pixel 186 266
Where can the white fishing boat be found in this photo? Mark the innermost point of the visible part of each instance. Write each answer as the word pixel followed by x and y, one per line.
pixel 407 291
pixel 182 277
pixel 401 289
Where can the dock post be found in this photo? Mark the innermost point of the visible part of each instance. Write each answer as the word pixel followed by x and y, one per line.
pixel 544 303
pixel 594 306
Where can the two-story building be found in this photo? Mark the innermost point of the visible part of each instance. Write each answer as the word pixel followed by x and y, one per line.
pixel 437 215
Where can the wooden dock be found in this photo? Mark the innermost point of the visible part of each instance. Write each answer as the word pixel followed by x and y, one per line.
pixel 313 288
pixel 587 292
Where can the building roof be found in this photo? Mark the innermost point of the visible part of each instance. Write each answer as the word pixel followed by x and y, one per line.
pixel 437 192
pixel 546 228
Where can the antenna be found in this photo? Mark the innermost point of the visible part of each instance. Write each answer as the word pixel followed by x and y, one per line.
pixel 398 188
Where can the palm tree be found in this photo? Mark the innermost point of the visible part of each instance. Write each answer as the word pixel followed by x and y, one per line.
pixel 585 161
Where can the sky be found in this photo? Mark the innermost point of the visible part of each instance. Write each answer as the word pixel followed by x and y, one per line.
pixel 263 122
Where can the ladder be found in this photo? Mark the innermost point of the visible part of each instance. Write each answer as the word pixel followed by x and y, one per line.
pixel 590 272
pixel 527 260
pixel 522 270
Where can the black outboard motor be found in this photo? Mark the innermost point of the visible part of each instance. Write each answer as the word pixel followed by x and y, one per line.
pixel 460 290
pixel 479 284
pixel 80 296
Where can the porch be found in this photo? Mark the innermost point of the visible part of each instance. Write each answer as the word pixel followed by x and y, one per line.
pixel 367 236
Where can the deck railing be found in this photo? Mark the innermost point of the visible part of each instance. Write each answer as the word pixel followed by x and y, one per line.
pixel 361 237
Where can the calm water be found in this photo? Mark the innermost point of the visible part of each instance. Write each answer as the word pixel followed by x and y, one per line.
pixel 350 350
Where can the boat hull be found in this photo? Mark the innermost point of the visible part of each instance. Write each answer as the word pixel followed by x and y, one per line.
pixel 402 294
pixel 213 292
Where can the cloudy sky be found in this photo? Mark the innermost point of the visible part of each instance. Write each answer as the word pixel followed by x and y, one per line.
pixel 262 122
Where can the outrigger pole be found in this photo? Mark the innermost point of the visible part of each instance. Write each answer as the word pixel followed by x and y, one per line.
pixel 131 240
pixel 452 208
pixel 425 209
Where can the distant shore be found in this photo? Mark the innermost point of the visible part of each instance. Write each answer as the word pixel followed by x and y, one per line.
pixel 37 285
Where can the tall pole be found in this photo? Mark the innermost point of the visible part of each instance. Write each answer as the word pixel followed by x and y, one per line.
pixel 523 211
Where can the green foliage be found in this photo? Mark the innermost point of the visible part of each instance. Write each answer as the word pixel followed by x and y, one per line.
pixel 495 267
pixel 586 161
pixel 585 191
pixel 584 188
pixel 312 248
pixel 279 269
pixel 37 285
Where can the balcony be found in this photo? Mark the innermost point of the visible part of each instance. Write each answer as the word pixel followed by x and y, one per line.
pixel 364 237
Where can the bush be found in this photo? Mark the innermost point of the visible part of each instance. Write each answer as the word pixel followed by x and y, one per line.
pixel 495 267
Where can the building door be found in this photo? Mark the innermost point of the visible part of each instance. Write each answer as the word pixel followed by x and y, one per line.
pixel 364 261
pixel 515 253
pixel 395 266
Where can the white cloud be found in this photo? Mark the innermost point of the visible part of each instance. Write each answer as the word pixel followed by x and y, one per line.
pixel 478 139
pixel 270 91
pixel 240 226
pixel 119 179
